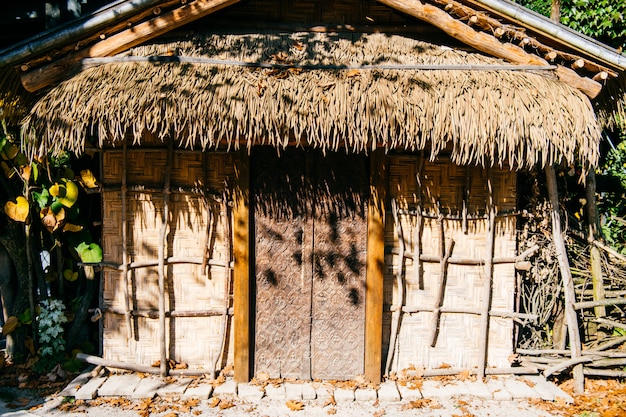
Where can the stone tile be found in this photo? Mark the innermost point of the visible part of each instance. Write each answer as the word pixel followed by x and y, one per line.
pixel 458 389
pixel 72 387
pixel 275 392
pixel 227 389
pixel 200 392
pixel 250 392
pixel 89 391
pixel 478 389
pixel 308 391
pixel 323 392
pixel 119 385
pixel 388 392
pixel 435 389
pixel 520 389
pixel 408 393
pixel 293 391
pixel 147 387
pixel 548 390
pixel 365 394
pixel 498 390
pixel 174 389
pixel 344 395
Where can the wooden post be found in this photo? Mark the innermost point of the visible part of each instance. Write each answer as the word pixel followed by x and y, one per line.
pixel 241 273
pixel 162 254
pixel 487 285
pixel 395 319
pixel 375 267
pixel 125 271
pixel 566 276
pixel 594 233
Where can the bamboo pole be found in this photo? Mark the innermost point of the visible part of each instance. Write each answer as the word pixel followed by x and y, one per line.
pixel 227 240
pixel 395 319
pixel 125 270
pixel 466 196
pixel 566 276
pixel 487 284
pixel 440 290
pixel 597 277
pixel 162 268
pixel 417 231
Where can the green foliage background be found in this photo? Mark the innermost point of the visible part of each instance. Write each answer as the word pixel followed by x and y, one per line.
pixel 604 20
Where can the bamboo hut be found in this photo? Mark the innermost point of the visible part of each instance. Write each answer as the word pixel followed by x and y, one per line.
pixel 324 197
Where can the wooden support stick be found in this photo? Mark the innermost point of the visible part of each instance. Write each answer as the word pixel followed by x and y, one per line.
pixel 440 290
pixel 96 360
pixel 227 240
pixel 488 280
pixel 162 248
pixel 566 276
pixel 518 370
pixel 417 231
pixel 125 270
pixel 395 319
pixel 578 361
pixel 605 302
pixel 466 196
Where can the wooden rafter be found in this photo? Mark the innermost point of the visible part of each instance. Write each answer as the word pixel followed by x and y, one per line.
pixel 483 21
pixel 488 43
pixel 122 41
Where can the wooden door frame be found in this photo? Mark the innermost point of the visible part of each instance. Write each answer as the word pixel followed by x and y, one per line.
pixel 375 268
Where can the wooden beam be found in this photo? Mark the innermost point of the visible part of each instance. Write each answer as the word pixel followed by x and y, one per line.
pixel 487 43
pixel 568 283
pixel 375 267
pixel 122 41
pixel 241 272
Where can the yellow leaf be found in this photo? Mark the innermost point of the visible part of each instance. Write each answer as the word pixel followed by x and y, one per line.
pixel 71 194
pixel 70 275
pixel 353 73
pixel 69 227
pixel 25 171
pixel 54 190
pixel 17 211
pixel 214 402
pixel 87 179
pixel 9 152
pixel 295 405
pixel 51 220
pixel 10 325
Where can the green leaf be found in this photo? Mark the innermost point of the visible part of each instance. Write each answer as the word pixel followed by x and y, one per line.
pixel 41 198
pixel 89 254
pixel 26 317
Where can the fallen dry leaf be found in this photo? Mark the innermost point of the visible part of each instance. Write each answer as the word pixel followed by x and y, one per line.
pixel 225 404
pixel 330 401
pixel 421 403
pixel 214 402
pixel 295 405
pixel 331 411
pixel 379 413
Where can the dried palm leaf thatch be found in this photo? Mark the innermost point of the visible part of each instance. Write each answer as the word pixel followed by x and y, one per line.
pixel 485 117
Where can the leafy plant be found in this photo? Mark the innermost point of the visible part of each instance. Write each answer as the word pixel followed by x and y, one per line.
pixel 50 329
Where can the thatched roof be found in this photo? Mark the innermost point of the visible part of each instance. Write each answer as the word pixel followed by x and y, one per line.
pixel 481 116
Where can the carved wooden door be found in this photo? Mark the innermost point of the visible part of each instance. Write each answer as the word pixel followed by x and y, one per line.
pixel 310 249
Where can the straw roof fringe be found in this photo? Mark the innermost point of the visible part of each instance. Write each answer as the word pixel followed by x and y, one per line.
pixel 523 118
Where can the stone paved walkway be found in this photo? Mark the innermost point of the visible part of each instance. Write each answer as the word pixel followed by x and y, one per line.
pixel 133 386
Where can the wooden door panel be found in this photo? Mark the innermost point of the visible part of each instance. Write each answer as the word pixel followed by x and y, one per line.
pixel 310 240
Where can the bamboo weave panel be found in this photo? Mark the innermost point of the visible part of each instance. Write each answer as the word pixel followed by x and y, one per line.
pixel 442 185
pixel 188 287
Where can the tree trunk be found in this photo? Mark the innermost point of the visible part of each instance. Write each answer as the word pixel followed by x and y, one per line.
pixel 555 10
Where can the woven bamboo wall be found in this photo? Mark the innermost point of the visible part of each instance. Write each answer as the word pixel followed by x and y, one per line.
pixel 192 340
pixel 458 341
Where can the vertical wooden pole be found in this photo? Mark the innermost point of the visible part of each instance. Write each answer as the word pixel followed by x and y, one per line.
pixel 375 267
pixel 487 285
pixel 241 273
pixel 594 233
pixel 566 276
pixel 125 272
pixel 396 314
pixel 162 254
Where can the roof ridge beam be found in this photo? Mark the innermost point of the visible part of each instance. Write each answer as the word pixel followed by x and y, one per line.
pixel 122 41
pixel 487 43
